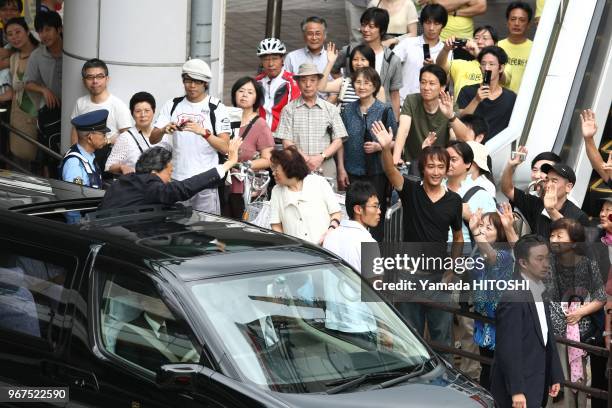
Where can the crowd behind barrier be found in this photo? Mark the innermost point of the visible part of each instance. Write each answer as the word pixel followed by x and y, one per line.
pixel 393 123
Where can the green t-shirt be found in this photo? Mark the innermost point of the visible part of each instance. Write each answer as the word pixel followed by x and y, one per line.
pixel 421 124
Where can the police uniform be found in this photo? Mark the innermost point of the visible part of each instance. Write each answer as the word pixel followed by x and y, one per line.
pixel 78 165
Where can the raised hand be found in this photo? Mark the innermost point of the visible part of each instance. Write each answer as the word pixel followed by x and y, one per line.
pixel 550 197
pixel 429 140
pixel 589 125
pixel 332 52
pixel 475 221
pixel 384 136
pixel 446 104
pixel 518 159
pixel 234 146
pixel 506 215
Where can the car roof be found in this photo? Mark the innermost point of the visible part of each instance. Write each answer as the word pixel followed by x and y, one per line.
pixel 197 245
pixel 18 191
pixel 191 243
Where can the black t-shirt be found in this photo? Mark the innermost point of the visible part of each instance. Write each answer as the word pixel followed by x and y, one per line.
pixel 426 221
pixel 532 207
pixel 496 112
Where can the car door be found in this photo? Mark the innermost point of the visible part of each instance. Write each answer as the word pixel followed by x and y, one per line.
pixel 35 307
pixel 131 332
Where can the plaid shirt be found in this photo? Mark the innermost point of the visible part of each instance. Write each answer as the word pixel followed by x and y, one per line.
pixel 311 129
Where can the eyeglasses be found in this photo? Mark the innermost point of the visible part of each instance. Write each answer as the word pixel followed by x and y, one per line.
pixel 488 64
pixel 189 81
pixel 377 206
pixel 99 77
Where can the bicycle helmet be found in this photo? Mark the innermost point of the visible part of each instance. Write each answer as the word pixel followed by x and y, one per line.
pixel 269 46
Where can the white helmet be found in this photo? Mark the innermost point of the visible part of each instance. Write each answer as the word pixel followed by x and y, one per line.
pixel 269 46
pixel 197 69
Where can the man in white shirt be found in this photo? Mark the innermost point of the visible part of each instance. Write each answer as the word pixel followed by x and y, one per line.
pixel 526 367
pixel 199 126
pixel 363 209
pixel 410 50
pixel 95 78
pixel 314 30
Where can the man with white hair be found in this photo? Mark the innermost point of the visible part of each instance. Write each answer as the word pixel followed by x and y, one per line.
pixel 199 129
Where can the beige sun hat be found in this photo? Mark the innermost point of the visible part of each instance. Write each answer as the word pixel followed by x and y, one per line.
pixel 307 69
pixel 480 154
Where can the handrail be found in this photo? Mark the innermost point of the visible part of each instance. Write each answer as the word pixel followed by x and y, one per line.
pixel 11 163
pixel 595 350
pixel 27 138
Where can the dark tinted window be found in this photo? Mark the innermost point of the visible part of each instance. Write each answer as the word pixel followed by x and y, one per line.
pixel 136 325
pixel 32 290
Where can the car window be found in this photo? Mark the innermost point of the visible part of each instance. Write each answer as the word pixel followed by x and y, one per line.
pixel 32 292
pixel 137 326
pixel 303 329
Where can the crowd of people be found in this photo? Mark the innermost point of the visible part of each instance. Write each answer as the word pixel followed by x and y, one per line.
pixel 324 118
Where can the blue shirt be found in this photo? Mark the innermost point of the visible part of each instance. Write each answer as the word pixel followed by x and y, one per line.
pixel 355 159
pixel 485 301
pixel 73 170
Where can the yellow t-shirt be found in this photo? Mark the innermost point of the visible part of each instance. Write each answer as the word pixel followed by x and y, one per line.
pixel 539 7
pixel 464 73
pixel 460 27
pixel 518 54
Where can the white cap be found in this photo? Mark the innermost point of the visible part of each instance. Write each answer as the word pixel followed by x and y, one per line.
pixel 480 154
pixel 197 69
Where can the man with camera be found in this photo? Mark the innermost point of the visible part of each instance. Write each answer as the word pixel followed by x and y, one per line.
pixel 489 99
pixel 554 203
pixel 199 126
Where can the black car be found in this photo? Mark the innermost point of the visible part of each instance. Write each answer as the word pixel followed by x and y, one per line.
pixel 152 307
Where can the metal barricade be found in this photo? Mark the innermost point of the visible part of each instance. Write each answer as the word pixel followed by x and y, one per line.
pixel 393 223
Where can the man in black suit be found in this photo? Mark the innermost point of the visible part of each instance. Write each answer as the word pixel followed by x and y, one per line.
pixel 152 183
pixel 526 365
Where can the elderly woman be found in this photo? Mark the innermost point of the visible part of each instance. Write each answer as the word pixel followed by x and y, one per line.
pixel 151 184
pixel 577 295
pixel 134 141
pixel 303 205
pixel 361 159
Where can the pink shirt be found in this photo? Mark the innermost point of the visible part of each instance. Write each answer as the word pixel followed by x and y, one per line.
pixel 258 138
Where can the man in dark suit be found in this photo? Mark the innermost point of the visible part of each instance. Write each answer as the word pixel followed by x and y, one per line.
pixel 151 184
pixel 526 366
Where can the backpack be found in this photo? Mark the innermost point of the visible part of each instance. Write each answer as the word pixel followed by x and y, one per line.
pixel 211 107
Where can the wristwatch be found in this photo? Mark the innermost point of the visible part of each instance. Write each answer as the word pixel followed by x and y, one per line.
pixel 323 156
pixel 453 118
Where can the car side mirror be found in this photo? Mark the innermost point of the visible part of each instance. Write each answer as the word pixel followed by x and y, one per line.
pixel 180 376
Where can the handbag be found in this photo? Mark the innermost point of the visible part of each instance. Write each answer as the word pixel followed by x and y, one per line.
pixel 50 127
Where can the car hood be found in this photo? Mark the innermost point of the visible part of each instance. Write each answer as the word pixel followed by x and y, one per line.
pixel 443 387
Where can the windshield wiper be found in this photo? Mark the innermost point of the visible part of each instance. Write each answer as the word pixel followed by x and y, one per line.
pixel 416 372
pixel 354 382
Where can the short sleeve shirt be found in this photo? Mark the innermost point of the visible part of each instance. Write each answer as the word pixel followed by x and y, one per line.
pixel 304 214
pixel 421 124
pixel 410 52
pixel 119 116
pixel 496 112
pixel 45 69
pixel 427 221
pixel 518 55
pixel 192 154
pixel 532 208
pixel 312 129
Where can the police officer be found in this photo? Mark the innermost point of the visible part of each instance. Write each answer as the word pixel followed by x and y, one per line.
pixel 78 165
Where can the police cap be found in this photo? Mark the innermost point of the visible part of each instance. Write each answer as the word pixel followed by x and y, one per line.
pixel 94 121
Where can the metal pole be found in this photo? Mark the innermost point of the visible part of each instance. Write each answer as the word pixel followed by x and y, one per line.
pixel 11 163
pixel 273 18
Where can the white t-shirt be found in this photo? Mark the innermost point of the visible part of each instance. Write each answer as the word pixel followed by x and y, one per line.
pixel 380 56
pixel 304 214
pixel 345 241
pixel 410 52
pixel 119 116
pixel 192 154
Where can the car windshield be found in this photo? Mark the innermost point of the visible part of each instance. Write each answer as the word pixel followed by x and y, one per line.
pixel 307 329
